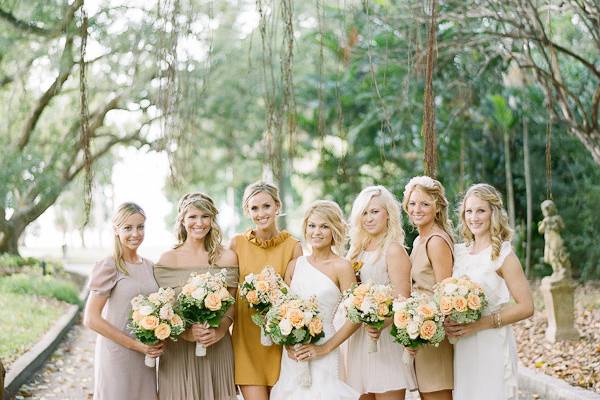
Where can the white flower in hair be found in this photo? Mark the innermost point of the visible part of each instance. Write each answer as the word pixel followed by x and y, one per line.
pixel 423 181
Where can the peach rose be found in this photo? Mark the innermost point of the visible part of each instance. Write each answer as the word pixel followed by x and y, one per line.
pixel 401 319
pixel 315 326
pixel 428 329
pixel 445 305
pixel 426 311
pixel 224 293
pixel 149 322
pixel 136 316
pixel 212 301
pixel 296 317
pixel 459 303
pixel 176 320
pixel 262 286
pixel 188 289
pixel 383 309
pixel 473 302
pixel 283 309
pixel 252 297
pixel 361 290
pixel 357 299
pixel 162 331
pixel 380 297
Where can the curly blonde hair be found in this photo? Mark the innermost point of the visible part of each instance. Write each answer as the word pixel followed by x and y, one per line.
pixel 358 237
pixel 204 203
pixel 435 189
pixel 331 212
pixel 500 230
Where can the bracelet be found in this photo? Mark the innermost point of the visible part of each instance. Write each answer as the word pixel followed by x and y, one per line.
pixel 497 319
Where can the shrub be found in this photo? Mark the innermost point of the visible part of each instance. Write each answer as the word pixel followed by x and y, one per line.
pixel 46 286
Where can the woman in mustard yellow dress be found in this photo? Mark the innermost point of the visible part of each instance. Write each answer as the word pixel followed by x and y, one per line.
pixel 257 366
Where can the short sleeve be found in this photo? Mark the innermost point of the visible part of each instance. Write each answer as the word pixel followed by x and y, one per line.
pixel 104 277
pixel 505 250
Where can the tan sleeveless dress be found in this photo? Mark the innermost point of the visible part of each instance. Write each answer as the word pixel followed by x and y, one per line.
pixel 182 375
pixel 433 365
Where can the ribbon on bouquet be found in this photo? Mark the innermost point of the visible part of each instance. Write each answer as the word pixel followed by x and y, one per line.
pixel 409 360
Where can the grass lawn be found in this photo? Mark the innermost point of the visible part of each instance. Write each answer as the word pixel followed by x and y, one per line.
pixel 24 319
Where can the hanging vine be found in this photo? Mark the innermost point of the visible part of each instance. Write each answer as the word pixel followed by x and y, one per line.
pixel 85 137
pixel 428 129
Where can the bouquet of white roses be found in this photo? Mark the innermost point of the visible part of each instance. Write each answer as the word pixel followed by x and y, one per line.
pixel 417 321
pixel 261 291
pixel 153 319
pixel 295 321
pixel 204 299
pixel 369 304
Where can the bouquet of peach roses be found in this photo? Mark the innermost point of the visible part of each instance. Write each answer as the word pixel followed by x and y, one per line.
pixel 153 319
pixel 369 304
pixel 461 299
pixel 204 299
pixel 417 321
pixel 262 291
pixel 295 321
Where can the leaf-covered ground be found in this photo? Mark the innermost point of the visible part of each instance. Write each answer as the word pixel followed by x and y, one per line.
pixel 577 361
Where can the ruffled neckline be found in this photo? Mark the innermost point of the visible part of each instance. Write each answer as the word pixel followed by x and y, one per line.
pixel 276 240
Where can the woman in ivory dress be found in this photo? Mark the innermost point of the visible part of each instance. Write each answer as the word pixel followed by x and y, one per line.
pixel 485 360
pixel 182 374
pixel 431 257
pixel 324 274
pixel 377 241
pixel 119 370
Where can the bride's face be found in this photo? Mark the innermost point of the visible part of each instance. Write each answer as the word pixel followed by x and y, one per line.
pixel 318 232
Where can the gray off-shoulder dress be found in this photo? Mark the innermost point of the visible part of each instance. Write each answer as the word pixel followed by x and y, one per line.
pixel 120 373
pixel 183 375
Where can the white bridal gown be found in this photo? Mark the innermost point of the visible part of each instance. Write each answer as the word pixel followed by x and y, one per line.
pixel 325 371
pixel 485 363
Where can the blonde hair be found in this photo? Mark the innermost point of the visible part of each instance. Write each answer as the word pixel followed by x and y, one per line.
pixel 500 230
pixel 331 212
pixel 212 240
pixel 123 212
pixel 435 189
pixel 260 187
pixel 358 236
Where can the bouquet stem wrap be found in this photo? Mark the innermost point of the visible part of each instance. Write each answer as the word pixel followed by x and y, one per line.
pixel 265 340
pixel 304 378
pixel 373 346
pixel 452 340
pixel 149 361
pixel 200 350
pixel 409 360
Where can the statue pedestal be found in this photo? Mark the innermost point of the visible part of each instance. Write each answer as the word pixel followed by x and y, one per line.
pixel 559 301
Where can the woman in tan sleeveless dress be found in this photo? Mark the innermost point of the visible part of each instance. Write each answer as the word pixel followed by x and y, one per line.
pixel 181 374
pixel 432 259
pixel 257 366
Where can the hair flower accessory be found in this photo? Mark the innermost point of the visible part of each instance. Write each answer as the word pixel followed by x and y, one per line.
pixel 424 181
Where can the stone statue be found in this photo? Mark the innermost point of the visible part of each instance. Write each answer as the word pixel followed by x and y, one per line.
pixel 555 252
pixel 557 289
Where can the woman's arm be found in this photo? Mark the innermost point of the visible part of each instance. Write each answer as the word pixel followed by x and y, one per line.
pixel 440 256
pixel 93 319
pixel 398 267
pixel 289 271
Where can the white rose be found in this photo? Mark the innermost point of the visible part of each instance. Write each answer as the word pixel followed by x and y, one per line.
pixel 366 305
pixel 196 281
pixel 285 326
pixel 166 312
pixel 145 310
pixel 137 302
pixel 412 329
pixel 199 294
pixel 248 278
pixel 450 288
pixel 307 317
pixel 463 290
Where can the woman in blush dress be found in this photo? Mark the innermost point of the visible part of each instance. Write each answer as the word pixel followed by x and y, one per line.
pixel 377 241
pixel 324 274
pixel 119 370
pixel 257 366
pixel 485 359
pixel 431 256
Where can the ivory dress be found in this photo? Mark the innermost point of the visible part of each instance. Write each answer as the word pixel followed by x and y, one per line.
pixel 256 364
pixel 485 363
pixel 120 373
pixel 433 365
pixel 182 375
pixel 384 370
pixel 325 371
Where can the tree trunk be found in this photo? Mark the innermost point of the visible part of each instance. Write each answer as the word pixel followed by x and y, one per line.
pixel 510 197
pixel 2 373
pixel 529 218
pixel 9 240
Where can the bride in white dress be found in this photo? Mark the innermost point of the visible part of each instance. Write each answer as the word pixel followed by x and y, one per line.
pixel 325 275
pixel 485 359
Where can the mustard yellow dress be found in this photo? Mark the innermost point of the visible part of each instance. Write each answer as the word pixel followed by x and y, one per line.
pixel 433 365
pixel 256 364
